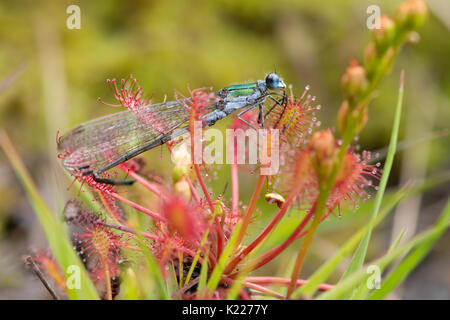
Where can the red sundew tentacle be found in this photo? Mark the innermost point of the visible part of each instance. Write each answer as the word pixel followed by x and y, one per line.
pixel 58 137
pixel 114 88
pixel 129 95
pixel 108 104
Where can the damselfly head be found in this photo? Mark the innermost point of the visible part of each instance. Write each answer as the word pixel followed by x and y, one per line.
pixel 273 82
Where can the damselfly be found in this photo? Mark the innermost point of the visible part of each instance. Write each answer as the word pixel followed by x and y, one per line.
pixel 98 145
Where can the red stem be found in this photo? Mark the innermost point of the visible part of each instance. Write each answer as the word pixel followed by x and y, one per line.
pixel 220 235
pixel 263 233
pixel 304 248
pixel 326 215
pixel 251 209
pixel 234 187
pixel 254 287
pixel 144 182
pixel 272 253
pixel 193 191
pixel 268 281
pixel 134 205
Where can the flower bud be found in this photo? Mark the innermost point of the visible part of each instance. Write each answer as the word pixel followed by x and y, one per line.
pixel 387 60
pixel 323 153
pixel 413 37
pixel 411 14
pixel 181 157
pixel 344 114
pixel 385 34
pixel 370 59
pixel 362 117
pixel 182 188
pixel 343 117
pixel 354 79
pixel 179 172
pixel 275 198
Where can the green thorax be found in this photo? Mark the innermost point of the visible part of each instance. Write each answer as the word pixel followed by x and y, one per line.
pixel 241 89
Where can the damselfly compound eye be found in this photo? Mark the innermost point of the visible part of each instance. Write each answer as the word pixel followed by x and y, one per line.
pixel 273 81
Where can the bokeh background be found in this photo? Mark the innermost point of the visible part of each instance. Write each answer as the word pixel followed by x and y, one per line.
pixel 50 78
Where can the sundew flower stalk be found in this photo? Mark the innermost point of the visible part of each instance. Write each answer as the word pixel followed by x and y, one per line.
pixel 359 84
pixel 190 230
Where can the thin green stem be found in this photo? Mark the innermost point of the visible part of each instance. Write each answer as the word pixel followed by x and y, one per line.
pixel 358 258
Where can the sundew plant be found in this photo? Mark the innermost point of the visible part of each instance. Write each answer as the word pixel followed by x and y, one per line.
pixel 175 238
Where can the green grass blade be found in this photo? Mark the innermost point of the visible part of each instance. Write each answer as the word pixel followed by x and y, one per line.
pixel 203 274
pixel 309 288
pixel 235 289
pixel 153 267
pixel 57 237
pixel 217 272
pixel 360 275
pixel 412 260
pixel 360 254
pixel 363 290
pixel 129 286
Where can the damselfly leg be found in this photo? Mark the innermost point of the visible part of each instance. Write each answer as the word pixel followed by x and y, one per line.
pixel 261 115
pixel 277 102
pixel 244 111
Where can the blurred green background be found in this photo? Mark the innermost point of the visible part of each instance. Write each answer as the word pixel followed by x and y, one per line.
pixel 51 76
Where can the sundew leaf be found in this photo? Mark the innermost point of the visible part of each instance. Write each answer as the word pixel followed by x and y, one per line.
pixel 56 235
pixel 420 243
pixel 408 264
pixel 360 254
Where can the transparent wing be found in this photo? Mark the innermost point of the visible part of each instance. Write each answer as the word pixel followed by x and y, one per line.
pixel 94 144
